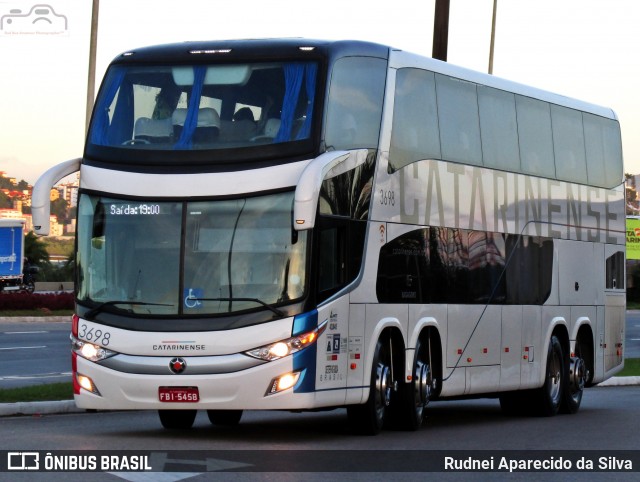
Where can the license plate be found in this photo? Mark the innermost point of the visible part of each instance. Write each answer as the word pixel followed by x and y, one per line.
pixel 178 394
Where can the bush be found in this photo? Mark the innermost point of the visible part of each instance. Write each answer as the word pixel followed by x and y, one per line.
pixel 56 272
pixel 33 301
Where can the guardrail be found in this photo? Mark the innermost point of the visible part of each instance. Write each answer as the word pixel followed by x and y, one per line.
pixel 54 286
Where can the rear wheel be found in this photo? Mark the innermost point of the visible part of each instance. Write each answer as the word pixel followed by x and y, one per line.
pixel 551 393
pixel 578 376
pixel 513 403
pixel 369 418
pixel 416 395
pixel 224 417
pixel 177 419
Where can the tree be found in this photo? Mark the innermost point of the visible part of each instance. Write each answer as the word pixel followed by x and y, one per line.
pixel 59 209
pixel 5 201
pixel 631 195
pixel 58 272
pixel 35 250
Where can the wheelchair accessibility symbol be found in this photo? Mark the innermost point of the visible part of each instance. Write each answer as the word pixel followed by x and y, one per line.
pixel 192 297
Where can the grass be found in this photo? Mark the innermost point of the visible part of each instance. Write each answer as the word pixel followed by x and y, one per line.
pixel 38 393
pixel 631 368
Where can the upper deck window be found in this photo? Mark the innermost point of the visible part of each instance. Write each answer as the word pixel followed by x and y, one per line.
pixel 451 119
pixel 354 107
pixel 204 107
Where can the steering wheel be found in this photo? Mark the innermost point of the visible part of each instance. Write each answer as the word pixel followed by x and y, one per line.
pixel 134 141
pixel 262 138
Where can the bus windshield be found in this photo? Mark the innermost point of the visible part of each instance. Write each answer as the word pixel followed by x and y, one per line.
pixel 234 255
pixel 204 107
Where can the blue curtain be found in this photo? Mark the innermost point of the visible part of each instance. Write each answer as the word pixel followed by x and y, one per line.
pixel 293 74
pixel 310 84
pixel 191 120
pixel 100 126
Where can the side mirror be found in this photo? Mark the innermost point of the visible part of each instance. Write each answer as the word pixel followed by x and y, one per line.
pixel 326 166
pixel 40 198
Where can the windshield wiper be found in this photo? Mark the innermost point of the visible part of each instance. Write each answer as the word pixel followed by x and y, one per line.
pixel 90 315
pixel 254 300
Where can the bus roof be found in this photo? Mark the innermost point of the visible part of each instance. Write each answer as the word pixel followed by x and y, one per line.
pixel 251 48
pixel 276 48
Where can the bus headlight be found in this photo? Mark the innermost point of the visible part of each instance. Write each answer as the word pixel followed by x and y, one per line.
pixel 283 348
pixel 90 351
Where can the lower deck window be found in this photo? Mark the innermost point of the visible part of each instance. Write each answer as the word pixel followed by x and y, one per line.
pixel 443 265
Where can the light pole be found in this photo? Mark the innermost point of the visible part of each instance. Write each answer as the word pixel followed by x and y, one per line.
pixel 441 30
pixel 493 36
pixel 91 77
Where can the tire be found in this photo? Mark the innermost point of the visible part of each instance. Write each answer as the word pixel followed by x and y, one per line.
pixel 30 287
pixel 513 403
pixel 177 419
pixel 551 394
pixel 415 396
pixel 224 417
pixel 369 418
pixel 577 377
pixel 521 403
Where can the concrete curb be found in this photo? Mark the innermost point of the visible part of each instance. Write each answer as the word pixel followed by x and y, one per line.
pixel 69 406
pixel 31 319
pixel 620 382
pixel 38 408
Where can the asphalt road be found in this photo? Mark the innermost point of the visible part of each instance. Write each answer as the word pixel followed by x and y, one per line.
pixel 34 353
pixel 632 335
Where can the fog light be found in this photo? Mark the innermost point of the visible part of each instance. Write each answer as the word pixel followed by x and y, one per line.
pixel 86 383
pixel 287 381
pixel 283 382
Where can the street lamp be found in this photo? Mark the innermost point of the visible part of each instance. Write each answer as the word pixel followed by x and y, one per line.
pixel 493 36
pixel 91 77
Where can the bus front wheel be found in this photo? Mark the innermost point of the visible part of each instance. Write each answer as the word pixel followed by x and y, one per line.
pixel 369 418
pixel 177 419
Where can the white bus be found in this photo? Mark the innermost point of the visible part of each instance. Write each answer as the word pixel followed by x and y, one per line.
pixel 297 224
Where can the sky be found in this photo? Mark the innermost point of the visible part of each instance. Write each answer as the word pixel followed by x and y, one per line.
pixel 586 49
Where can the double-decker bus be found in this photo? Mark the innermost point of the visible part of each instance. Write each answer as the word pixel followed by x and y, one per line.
pixel 299 224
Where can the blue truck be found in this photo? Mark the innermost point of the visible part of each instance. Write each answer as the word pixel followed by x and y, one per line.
pixel 11 254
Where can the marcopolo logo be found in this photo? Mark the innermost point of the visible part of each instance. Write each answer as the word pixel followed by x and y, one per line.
pixel 40 19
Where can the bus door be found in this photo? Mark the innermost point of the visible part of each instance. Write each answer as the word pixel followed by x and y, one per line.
pixel 614 317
